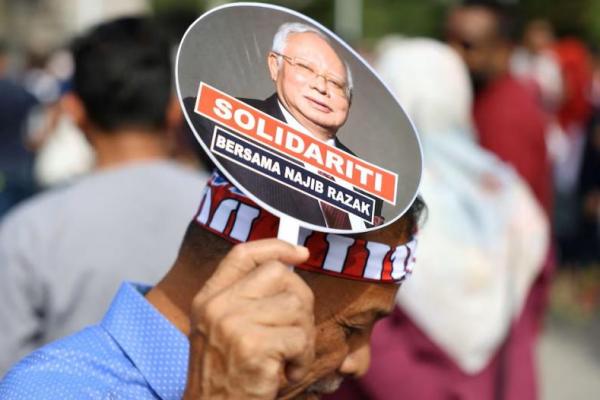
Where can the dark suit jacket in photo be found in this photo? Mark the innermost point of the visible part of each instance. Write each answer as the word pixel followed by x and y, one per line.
pixel 279 196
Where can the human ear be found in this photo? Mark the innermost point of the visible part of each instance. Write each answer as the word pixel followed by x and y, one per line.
pixel 73 106
pixel 173 114
pixel 273 63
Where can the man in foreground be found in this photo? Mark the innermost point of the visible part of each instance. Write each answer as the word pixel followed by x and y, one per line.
pixel 233 322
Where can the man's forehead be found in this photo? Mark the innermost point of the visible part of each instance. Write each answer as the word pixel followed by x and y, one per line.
pixel 393 235
pixel 311 43
pixel 377 302
pixel 349 298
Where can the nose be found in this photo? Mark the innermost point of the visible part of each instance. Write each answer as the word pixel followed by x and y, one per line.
pixel 357 361
pixel 320 84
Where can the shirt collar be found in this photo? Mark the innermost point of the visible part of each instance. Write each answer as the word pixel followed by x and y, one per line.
pixel 293 122
pixel 154 345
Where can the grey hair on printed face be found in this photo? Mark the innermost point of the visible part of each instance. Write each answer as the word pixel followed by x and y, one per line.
pixel 288 28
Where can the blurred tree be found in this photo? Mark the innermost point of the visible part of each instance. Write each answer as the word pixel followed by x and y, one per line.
pixel 176 16
pixel 409 17
pixel 592 22
pixel 422 17
pixel 568 17
pixel 166 6
pixel 320 10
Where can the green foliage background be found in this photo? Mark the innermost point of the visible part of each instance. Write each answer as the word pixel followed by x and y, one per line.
pixel 422 17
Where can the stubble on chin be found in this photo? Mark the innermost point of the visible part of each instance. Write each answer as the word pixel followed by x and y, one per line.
pixel 321 387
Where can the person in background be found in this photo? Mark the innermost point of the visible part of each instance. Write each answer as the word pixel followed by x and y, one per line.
pixel 585 246
pixel 577 71
pixel 460 330
pixel 64 253
pixel 574 115
pixel 588 248
pixel 62 152
pixel 510 121
pixel 535 63
pixel 16 160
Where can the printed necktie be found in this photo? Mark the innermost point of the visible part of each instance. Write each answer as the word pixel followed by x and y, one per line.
pixel 334 217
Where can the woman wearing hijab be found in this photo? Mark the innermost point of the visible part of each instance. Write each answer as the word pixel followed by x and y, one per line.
pixel 458 331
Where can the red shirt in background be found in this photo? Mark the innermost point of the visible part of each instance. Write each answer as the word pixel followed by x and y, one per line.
pixel 576 66
pixel 511 124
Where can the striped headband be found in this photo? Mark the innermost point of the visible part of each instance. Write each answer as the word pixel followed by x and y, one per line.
pixel 228 213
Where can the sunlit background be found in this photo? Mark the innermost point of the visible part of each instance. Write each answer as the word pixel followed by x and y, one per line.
pixel 33 33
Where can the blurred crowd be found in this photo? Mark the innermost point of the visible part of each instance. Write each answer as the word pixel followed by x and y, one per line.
pixel 509 118
pixel 100 178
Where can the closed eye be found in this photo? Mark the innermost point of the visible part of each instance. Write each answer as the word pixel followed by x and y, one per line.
pixel 352 330
pixel 305 66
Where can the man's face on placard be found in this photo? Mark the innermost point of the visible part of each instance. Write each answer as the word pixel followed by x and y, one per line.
pixel 311 83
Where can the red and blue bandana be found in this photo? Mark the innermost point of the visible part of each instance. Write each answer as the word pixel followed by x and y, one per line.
pixel 228 213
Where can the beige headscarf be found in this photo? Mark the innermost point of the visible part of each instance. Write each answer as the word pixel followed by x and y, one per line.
pixel 485 237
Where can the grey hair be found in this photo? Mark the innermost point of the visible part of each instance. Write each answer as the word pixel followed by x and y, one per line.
pixel 286 29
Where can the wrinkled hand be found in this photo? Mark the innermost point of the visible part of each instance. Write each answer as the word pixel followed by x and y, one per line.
pixel 252 324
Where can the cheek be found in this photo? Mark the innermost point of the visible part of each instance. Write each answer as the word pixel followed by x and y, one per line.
pixel 342 108
pixel 295 84
pixel 331 348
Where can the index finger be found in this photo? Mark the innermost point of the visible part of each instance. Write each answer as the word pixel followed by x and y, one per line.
pixel 245 257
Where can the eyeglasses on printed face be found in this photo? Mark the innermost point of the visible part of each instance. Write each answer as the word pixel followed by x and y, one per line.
pixel 309 71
